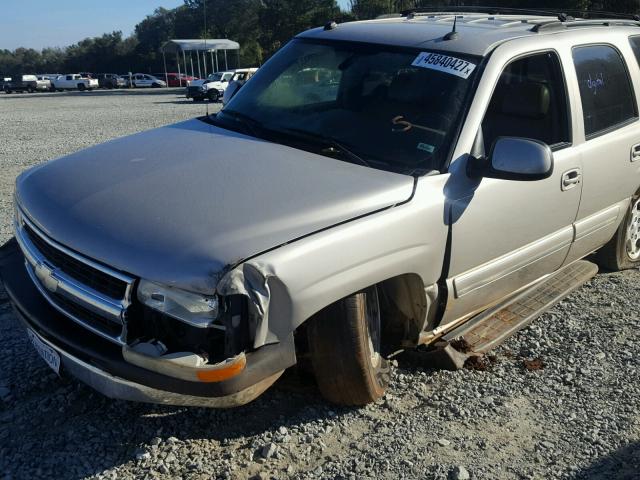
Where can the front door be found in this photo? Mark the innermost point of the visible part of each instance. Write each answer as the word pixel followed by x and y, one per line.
pixel 507 234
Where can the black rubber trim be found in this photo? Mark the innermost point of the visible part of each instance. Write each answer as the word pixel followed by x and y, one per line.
pixel 37 314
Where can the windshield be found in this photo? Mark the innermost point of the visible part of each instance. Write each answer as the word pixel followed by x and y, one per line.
pixel 219 76
pixel 389 107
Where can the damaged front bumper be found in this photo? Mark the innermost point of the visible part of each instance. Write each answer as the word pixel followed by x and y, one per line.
pixel 121 373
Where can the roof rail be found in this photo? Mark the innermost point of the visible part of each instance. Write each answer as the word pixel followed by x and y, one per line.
pixel 585 14
pixel 560 24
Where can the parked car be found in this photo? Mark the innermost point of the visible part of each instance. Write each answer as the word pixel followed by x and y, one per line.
pixel 110 80
pixel 141 80
pixel 73 81
pixel 234 86
pixel 176 80
pixel 127 80
pixel 25 83
pixel 214 85
pixel 44 81
pixel 444 198
pixel 49 76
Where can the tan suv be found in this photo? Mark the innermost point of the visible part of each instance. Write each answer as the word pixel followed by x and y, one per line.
pixel 431 179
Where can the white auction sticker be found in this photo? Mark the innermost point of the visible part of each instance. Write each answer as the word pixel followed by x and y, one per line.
pixel 444 63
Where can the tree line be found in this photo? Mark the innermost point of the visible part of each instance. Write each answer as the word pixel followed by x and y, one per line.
pixel 260 26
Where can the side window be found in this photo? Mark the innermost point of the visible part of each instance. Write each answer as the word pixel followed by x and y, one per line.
pixel 635 46
pixel 605 88
pixel 69 77
pixel 530 101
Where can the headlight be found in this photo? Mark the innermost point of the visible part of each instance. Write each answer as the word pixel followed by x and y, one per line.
pixel 202 88
pixel 194 309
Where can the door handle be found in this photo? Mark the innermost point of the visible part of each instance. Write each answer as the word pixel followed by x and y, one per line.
pixel 635 152
pixel 571 178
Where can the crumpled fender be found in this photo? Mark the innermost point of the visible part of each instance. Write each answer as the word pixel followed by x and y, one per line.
pixel 257 282
pixel 287 285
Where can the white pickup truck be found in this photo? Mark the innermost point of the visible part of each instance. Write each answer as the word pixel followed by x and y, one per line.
pixel 214 86
pixel 73 81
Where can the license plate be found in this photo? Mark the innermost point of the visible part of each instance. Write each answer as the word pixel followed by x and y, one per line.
pixel 46 352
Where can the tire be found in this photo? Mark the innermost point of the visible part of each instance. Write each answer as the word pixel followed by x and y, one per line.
pixel 52 88
pixel 623 250
pixel 344 348
pixel 82 87
pixel 213 96
pixel 7 91
pixel 30 90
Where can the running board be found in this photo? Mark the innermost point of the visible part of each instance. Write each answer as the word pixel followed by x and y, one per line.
pixel 492 327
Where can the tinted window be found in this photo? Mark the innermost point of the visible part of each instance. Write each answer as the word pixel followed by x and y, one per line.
pixel 529 102
pixel 635 46
pixel 605 88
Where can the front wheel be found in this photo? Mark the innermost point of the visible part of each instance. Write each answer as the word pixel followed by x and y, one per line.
pixel 82 87
pixel 213 96
pixel 623 250
pixel 345 345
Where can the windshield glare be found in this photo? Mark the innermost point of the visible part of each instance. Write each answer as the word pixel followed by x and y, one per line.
pixel 369 98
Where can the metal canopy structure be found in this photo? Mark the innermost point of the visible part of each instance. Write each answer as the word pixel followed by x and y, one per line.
pixel 201 47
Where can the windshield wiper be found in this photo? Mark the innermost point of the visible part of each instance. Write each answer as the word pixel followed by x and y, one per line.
pixel 251 125
pixel 332 145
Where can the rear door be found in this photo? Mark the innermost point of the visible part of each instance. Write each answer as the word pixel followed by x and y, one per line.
pixel 507 234
pixel 610 139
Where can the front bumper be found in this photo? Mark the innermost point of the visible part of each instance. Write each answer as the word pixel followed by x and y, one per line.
pixel 195 92
pixel 100 363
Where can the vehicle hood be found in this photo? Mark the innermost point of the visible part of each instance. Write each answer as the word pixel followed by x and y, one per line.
pixel 180 204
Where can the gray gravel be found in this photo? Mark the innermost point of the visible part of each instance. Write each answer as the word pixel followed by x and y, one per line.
pixel 577 417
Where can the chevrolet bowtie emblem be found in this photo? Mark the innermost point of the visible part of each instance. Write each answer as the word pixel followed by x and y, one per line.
pixel 45 275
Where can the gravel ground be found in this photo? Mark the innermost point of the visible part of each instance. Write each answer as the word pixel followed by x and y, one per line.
pixel 577 417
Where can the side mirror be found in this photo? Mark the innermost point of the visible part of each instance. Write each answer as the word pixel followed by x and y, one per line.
pixel 514 158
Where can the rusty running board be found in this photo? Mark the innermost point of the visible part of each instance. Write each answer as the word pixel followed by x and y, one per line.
pixel 492 327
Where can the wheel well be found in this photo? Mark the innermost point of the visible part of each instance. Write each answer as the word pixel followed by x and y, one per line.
pixel 406 307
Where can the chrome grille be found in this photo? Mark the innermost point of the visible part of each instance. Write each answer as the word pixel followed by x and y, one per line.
pixel 96 279
pixel 89 293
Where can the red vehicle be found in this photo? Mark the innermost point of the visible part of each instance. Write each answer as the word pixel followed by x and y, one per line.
pixel 175 80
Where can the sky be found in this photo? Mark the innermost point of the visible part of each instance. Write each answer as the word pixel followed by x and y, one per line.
pixel 45 23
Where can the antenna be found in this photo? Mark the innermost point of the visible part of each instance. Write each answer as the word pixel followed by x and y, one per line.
pixel 452 35
pixel 205 44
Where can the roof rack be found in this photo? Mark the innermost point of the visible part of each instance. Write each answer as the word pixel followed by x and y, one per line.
pixel 555 25
pixel 564 19
pixel 567 13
